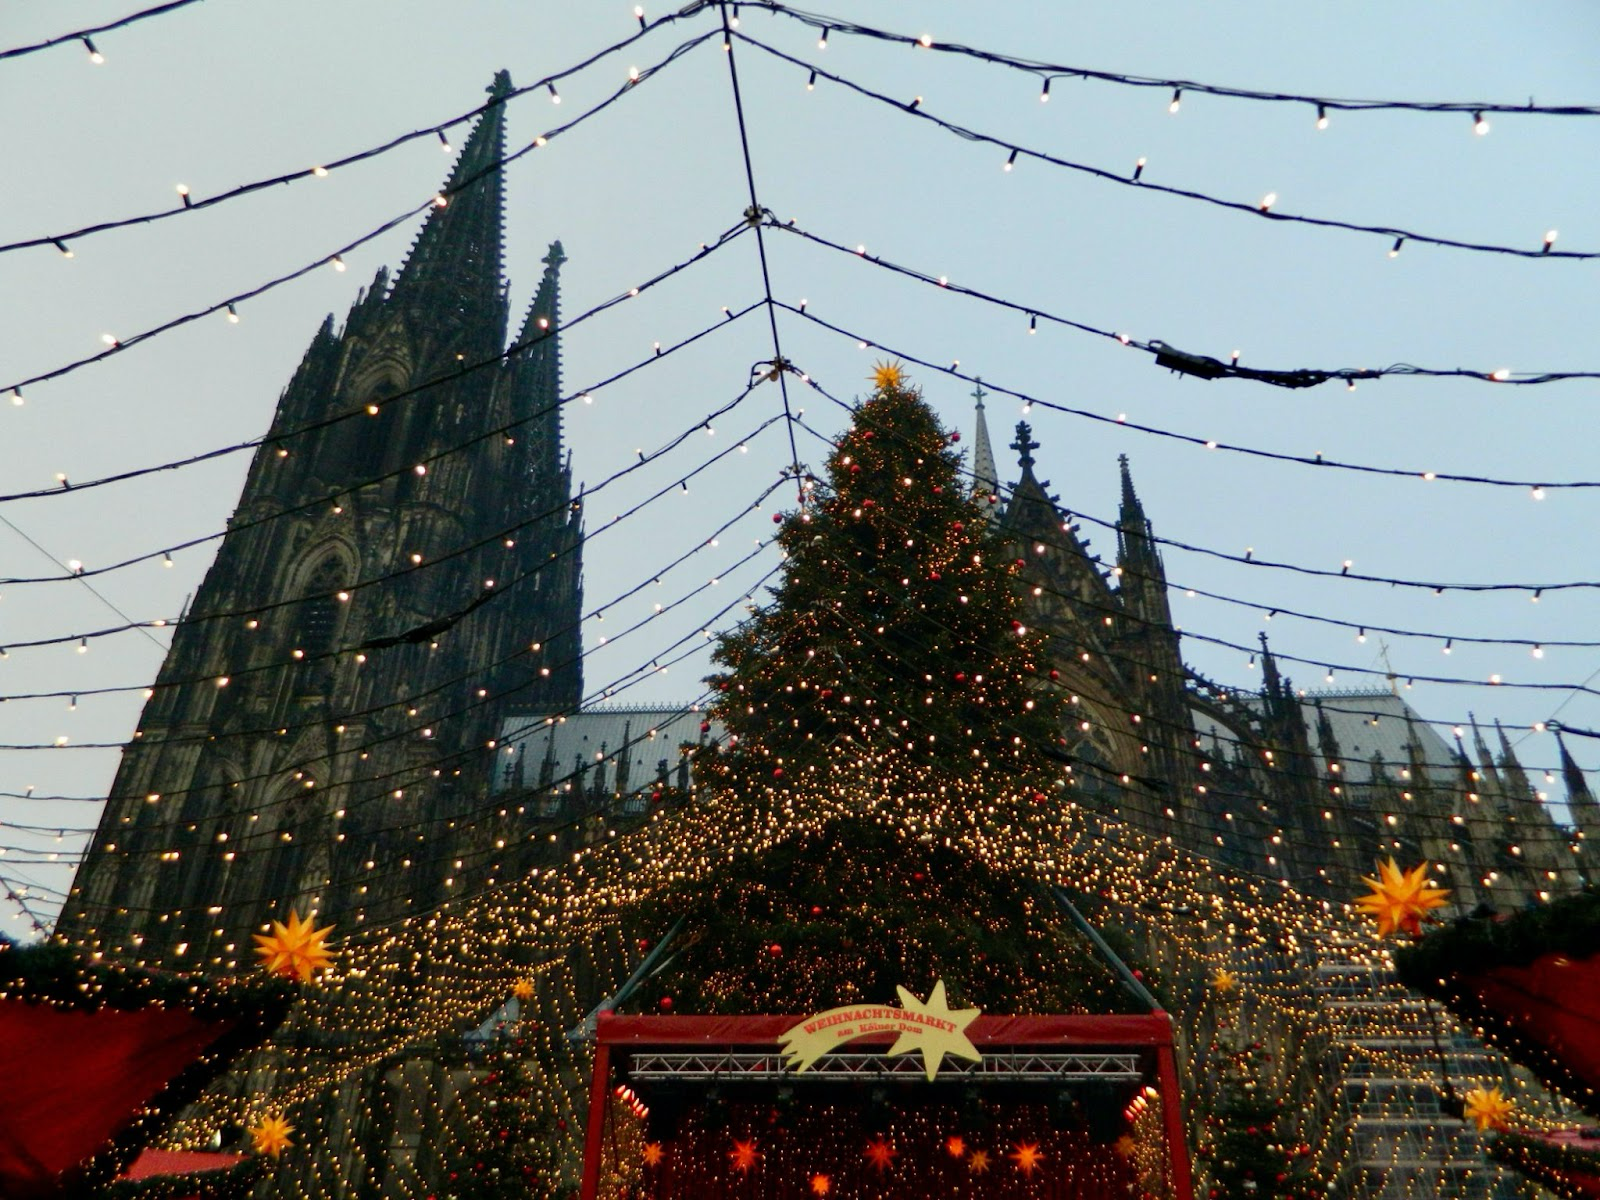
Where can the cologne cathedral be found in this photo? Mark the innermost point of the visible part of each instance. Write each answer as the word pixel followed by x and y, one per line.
pixel 400 588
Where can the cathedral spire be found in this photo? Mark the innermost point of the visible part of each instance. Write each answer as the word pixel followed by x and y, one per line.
pixel 453 273
pixel 1572 774
pixel 985 477
pixel 1136 551
pixel 534 370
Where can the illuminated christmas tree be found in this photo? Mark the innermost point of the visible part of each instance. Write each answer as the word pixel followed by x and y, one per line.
pixel 886 715
pixel 503 1138
pixel 893 658
pixel 1240 1145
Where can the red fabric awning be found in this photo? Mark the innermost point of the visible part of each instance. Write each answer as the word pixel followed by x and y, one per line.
pixel 151 1163
pixel 71 1080
pixel 1553 1002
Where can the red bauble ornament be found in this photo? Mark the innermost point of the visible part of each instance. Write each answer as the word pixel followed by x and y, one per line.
pixel 643 944
pixel 775 949
pixel 777 518
pixel 777 772
pixel 958 526
pixel 816 910
pixel 855 468
pixel 665 1004
pixel 918 876
pixel 1039 797
pixel 933 575
pixel 956 436
pixel 961 676
pixel 705 726
pixel 1054 674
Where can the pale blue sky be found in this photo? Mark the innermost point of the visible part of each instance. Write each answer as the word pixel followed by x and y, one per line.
pixel 229 91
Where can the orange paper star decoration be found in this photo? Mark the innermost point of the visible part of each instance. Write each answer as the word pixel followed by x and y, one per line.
pixel 978 1163
pixel 744 1156
pixel 296 948
pixel 653 1154
pixel 955 1146
pixel 887 376
pixel 1027 1156
pixel 821 1185
pixel 271 1135
pixel 1488 1108
pixel 1224 981
pixel 881 1154
pixel 1125 1146
pixel 1400 899
pixel 523 989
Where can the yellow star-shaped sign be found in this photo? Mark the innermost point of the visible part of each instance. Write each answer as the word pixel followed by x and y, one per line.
pixel 271 1135
pixel 945 1030
pixel 955 1145
pixel 821 1185
pixel 978 1162
pixel 1224 981
pixel 1125 1146
pixel 653 1154
pixel 523 989
pixel 295 948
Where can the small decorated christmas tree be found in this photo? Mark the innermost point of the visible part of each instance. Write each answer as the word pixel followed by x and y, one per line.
pixel 1240 1147
pixel 504 1138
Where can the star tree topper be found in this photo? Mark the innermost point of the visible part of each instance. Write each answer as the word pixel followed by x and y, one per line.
pixel 888 376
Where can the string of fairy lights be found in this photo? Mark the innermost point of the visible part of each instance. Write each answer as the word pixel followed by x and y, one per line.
pixel 229 307
pixel 1134 176
pixel 571 904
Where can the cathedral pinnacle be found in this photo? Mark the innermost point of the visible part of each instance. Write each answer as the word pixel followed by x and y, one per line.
pixel 1025 445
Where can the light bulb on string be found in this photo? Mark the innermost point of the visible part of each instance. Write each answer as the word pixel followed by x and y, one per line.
pixel 1044 92
pixel 638 15
pixel 16 398
pixel 822 42
pixel 1268 201
pixel 444 142
pixel 1549 240
pixel 183 194
pixel 1394 250
pixel 811 83
pixel 66 250
pixel 1479 125
pixel 233 315
pixel 1322 116
pixel 1537 492
pixel 1010 162
pixel 336 262
pixel 555 96
pixel 1138 170
pixel 1177 101
pixel 94 52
